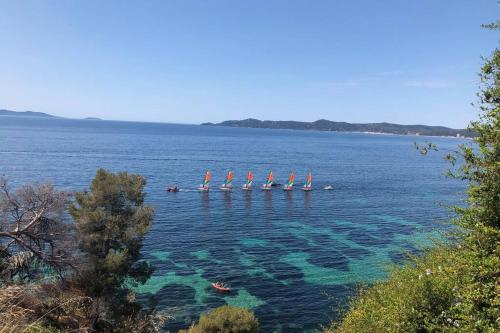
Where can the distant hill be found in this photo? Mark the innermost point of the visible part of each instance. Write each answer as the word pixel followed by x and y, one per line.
pixel 327 125
pixel 25 114
pixel 4 112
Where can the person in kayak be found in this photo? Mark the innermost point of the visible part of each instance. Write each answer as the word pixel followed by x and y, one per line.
pixel 221 287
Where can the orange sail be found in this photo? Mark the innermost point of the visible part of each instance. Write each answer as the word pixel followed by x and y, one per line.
pixel 308 183
pixel 289 186
pixel 270 178
pixel 248 183
pixel 206 180
pixel 204 187
pixel 269 183
pixel 249 178
pixel 227 182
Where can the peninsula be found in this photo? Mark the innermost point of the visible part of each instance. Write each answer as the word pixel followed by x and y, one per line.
pixel 34 114
pixel 4 112
pixel 327 125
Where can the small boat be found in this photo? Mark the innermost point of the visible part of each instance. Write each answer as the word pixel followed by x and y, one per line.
pixel 227 186
pixel 269 183
pixel 248 184
pixel 328 187
pixel 173 189
pixel 289 186
pixel 220 287
pixel 205 186
pixel 308 184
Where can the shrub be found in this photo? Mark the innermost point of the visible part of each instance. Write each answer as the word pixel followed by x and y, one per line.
pixel 226 319
pixel 43 308
pixel 454 288
pixel 435 293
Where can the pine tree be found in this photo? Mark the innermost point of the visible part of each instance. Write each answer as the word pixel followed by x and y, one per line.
pixel 112 220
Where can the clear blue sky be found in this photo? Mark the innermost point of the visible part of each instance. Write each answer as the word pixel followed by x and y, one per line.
pixel 194 61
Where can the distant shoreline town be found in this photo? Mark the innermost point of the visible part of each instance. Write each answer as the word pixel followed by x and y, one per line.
pixel 334 126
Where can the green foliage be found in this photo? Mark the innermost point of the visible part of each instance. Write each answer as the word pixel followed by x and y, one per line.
pixel 226 319
pixel 453 288
pixel 492 26
pixel 425 148
pixel 482 168
pixel 450 289
pixel 112 221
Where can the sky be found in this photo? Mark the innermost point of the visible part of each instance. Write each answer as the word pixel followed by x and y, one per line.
pixel 185 61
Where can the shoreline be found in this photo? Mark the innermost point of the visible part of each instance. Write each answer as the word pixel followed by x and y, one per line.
pixel 332 131
pixel 57 118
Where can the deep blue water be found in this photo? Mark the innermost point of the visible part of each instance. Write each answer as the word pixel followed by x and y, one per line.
pixel 291 257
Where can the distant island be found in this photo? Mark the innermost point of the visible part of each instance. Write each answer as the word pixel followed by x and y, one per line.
pixel 33 114
pixel 327 125
pixel 4 112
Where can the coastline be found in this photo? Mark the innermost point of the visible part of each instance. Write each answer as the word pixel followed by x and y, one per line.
pixel 333 131
pixel 57 118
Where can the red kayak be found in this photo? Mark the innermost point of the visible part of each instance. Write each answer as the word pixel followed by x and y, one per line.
pixel 220 287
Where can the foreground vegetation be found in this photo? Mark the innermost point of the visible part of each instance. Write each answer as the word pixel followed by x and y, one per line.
pixel 454 287
pixel 60 276
pixel 225 319
pixel 450 289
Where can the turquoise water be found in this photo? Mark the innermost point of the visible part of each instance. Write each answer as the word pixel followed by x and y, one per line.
pixel 289 256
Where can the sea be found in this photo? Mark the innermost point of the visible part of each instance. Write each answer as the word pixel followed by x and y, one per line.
pixel 294 257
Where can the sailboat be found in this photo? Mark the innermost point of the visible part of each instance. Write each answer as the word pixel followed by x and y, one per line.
pixel 227 186
pixel 206 182
pixel 289 186
pixel 248 185
pixel 269 183
pixel 308 184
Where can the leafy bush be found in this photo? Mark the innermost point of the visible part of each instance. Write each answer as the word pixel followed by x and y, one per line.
pixel 452 288
pixel 226 319
pixel 435 293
